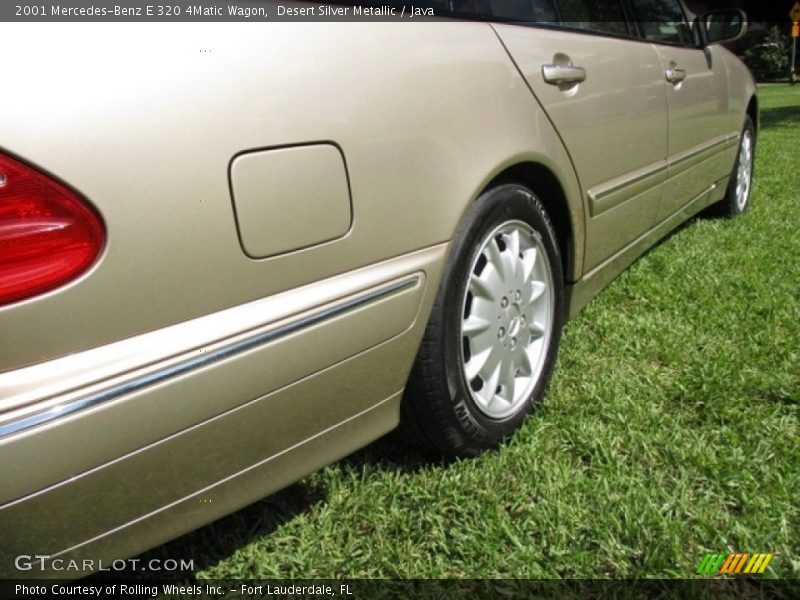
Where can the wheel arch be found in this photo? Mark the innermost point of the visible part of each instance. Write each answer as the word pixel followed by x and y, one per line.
pixel 545 184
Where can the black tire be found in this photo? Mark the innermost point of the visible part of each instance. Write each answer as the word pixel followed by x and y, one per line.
pixel 735 203
pixel 441 409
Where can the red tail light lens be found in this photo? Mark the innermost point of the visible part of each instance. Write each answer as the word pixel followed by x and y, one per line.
pixel 48 235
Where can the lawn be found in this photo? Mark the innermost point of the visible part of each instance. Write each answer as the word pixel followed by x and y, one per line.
pixel 670 430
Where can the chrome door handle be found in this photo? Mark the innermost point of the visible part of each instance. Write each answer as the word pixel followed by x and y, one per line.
pixel 556 74
pixel 675 75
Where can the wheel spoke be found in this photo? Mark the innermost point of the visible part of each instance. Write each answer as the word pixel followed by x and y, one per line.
pixel 480 335
pixel 510 266
pixel 508 379
pixel 474 325
pixel 512 253
pixel 481 287
pixel 480 343
pixel 492 365
pixel 483 363
pixel 536 329
pixel 528 263
pixel 476 363
pixel 490 385
pixel 495 258
pixel 489 284
pixel 527 363
pixel 485 310
pixel 537 289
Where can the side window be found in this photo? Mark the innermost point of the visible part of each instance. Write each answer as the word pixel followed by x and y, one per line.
pixel 662 21
pixel 530 11
pixel 605 16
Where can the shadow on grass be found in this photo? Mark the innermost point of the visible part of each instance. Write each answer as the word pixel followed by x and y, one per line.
pixel 779 116
pixel 393 453
pixel 220 539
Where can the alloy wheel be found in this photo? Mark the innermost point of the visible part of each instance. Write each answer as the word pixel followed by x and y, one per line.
pixel 507 318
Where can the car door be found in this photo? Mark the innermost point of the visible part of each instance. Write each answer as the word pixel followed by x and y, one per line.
pixel 696 81
pixel 603 90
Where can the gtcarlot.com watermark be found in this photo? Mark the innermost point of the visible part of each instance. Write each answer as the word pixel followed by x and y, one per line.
pixel 46 563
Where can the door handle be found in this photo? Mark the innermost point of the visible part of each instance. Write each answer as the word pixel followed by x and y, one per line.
pixel 556 74
pixel 675 75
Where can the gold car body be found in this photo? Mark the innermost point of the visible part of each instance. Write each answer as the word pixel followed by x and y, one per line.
pixel 220 349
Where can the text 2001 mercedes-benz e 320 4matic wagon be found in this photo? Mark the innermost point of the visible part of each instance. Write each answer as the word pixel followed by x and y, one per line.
pixel 220 271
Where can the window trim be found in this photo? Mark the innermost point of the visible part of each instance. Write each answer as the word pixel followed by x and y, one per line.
pixel 634 34
pixel 684 15
pixel 623 4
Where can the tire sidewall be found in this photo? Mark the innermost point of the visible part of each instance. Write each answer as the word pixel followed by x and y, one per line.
pixel 733 205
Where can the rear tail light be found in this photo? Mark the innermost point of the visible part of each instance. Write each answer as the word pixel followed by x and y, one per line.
pixel 48 235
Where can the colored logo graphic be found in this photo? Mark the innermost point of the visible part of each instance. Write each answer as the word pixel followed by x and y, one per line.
pixel 734 563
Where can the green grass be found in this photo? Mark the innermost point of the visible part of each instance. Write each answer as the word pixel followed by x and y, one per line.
pixel 670 430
